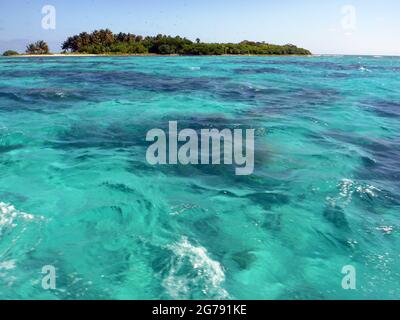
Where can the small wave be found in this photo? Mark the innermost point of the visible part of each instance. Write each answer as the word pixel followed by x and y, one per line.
pixel 364 69
pixel 347 189
pixel 180 209
pixel 195 68
pixel 7 265
pixel 193 268
pixel 386 229
pixel 9 217
pixel 60 94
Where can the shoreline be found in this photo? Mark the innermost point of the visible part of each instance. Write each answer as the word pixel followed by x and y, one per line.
pixel 74 55
pixel 83 55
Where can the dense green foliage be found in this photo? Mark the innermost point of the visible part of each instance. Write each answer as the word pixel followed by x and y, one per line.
pixel 105 42
pixel 39 47
pixel 9 53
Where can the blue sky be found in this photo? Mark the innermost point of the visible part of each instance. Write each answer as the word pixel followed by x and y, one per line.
pixel 314 24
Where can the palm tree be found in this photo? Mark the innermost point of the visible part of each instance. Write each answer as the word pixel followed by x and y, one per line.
pixel 39 47
pixel 31 49
pixel 43 47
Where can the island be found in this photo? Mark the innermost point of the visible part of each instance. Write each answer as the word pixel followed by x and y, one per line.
pixel 105 42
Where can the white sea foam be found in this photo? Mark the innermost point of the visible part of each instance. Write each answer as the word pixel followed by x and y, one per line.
pixel 178 210
pixel 204 274
pixel 386 229
pixel 363 69
pixel 348 188
pixel 195 68
pixel 345 188
pixel 9 216
pixel 7 265
pixel 60 94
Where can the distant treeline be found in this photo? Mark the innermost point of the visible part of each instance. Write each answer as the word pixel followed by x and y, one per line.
pixel 106 42
pixel 39 47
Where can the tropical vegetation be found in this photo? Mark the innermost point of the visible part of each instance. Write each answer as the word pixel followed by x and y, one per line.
pixel 39 47
pixel 9 53
pixel 106 42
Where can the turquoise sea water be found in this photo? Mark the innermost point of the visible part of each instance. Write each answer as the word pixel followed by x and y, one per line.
pixel 77 193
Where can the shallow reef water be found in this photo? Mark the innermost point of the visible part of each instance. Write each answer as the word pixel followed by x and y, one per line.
pixel 77 193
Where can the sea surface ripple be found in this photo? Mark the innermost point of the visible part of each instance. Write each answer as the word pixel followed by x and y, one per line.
pixel 77 193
